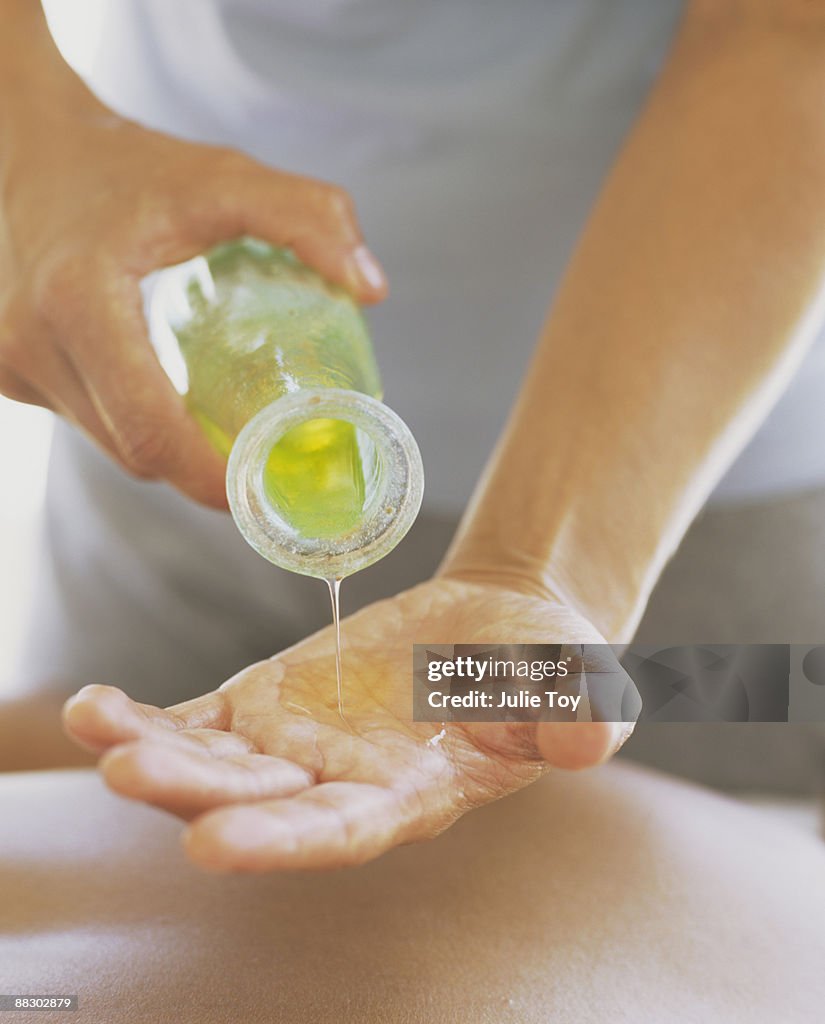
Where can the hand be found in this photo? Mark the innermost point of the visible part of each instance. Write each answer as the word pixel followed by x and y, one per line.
pixel 270 777
pixel 90 204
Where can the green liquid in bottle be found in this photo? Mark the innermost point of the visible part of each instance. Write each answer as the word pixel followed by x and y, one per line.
pixel 253 324
pixel 315 478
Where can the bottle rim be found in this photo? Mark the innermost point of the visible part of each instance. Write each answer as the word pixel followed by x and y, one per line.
pixel 387 517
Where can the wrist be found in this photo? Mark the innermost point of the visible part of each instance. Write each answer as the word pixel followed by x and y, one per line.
pixel 35 80
pixel 613 610
pixel 464 566
pixel 578 558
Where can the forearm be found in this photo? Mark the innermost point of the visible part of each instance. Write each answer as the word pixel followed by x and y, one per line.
pixel 691 299
pixel 33 74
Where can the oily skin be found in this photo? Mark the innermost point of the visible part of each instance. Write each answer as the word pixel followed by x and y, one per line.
pixel 270 777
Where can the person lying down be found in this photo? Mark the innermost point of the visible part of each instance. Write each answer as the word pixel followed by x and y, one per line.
pixel 615 894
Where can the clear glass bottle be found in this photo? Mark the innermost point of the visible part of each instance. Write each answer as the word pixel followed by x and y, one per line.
pixel 277 366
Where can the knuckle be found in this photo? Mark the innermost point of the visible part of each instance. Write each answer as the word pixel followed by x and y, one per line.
pixel 152 216
pixel 223 164
pixel 149 448
pixel 330 204
pixel 339 203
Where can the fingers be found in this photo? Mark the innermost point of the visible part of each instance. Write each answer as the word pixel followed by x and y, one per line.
pixel 576 745
pixel 209 711
pixel 613 705
pixel 146 419
pixel 98 717
pixel 331 825
pixel 72 332
pixel 15 387
pixel 190 781
pixel 60 390
pixel 180 759
pixel 315 219
pixel 101 373
pixel 24 352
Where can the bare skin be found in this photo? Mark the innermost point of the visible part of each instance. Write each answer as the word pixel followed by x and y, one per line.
pixel 675 329
pixel 270 777
pixel 127 201
pixel 614 895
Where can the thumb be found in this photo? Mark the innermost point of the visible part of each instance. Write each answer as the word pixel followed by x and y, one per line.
pixel 613 705
pixel 576 745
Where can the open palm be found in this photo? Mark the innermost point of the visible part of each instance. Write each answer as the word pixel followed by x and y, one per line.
pixel 268 774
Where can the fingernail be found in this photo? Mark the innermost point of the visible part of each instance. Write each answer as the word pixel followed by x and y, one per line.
pixel 367 267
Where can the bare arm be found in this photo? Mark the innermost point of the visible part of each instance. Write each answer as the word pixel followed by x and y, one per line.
pixel 89 203
pixel 693 295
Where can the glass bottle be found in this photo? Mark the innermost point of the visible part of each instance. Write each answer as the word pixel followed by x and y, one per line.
pixel 278 368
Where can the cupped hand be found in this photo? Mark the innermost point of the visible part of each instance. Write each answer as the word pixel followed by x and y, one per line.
pixel 89 204
pixel 269 776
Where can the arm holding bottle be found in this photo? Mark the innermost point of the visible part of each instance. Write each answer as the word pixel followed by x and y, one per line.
pixel 91 202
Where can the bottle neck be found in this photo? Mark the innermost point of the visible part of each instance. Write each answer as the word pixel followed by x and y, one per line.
pixel 324 482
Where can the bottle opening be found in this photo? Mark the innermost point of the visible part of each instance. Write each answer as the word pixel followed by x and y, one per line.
pixel 324 482
pixel 322 477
